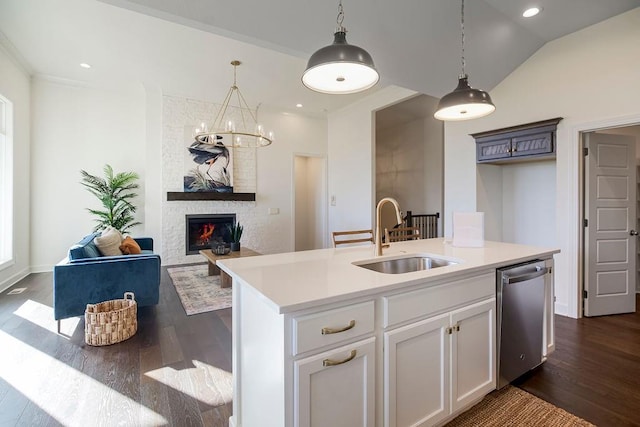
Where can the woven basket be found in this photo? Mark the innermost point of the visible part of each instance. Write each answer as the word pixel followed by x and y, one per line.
pixel 111 321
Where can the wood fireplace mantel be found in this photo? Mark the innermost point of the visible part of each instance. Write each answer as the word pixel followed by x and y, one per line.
pixel 210 195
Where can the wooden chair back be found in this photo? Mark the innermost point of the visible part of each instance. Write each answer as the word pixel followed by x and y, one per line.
pixel 352 236
pixel 399 234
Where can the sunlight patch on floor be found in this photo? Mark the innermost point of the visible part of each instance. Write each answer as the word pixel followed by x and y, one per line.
pixel 42 315
pixel 65 393
pixel 206 383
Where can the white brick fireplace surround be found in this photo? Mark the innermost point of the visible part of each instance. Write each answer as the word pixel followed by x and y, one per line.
pixel 181 114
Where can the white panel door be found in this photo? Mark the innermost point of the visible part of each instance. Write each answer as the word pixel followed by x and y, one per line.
pixel 416 386
pixel 473 353
pixel 336 388
pixel 610 234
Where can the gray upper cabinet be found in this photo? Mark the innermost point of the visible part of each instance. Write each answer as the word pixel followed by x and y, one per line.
pixel 532 141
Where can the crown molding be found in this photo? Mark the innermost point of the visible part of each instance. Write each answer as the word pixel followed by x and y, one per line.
pixel 16 57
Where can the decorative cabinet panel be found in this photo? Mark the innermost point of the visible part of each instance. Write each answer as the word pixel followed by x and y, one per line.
pixel 533 141
pixel 473 356
pixel 336 388
pixel 436 368
pixel 493 150
pixel 417 373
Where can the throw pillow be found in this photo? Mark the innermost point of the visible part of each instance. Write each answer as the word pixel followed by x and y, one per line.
pixel 130 246
pixel 108 242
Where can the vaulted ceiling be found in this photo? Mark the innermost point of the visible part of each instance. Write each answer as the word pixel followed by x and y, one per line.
pixel 184 47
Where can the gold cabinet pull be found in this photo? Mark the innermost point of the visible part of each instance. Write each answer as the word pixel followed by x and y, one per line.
pixel 329 362
pixel 327 331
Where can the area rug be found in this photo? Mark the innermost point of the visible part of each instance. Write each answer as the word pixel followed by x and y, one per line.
pixel 199 292
pixel 512 406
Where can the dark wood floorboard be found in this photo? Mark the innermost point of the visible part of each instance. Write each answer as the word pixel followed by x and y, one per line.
pixel 594 372
pixel 176 369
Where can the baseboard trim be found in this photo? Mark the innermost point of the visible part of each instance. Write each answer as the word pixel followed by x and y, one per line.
pixel 562 309
pixel 12 280
pixel 41 268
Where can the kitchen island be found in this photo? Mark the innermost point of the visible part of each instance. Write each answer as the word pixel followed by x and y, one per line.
pixel 319 340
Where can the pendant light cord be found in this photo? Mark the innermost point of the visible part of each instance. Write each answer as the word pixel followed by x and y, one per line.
pixel 462 27
pixel 340 18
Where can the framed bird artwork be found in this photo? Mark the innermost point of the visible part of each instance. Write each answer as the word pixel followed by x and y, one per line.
pixel 208 166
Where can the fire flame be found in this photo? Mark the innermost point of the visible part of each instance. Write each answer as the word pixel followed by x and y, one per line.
pixel 205 233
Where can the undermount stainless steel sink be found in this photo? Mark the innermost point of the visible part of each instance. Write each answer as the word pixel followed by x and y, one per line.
pixel 406 265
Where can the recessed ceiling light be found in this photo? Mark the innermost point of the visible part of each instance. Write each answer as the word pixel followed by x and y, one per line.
pixel 533 11
pixel 299 105
pixel 85 65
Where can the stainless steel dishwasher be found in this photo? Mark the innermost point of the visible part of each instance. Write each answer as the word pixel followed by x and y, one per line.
pixel 520 319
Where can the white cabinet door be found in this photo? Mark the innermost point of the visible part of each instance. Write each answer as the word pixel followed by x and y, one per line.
pixel 416 371
pixel 473 353
pixel 336 388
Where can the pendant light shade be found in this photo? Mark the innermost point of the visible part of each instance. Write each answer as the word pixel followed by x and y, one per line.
pixel 465 102
pixel 340 68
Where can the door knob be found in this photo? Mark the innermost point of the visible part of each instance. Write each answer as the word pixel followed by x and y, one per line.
pixel 633 233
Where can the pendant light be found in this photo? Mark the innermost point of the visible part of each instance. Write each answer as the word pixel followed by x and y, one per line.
pixel 464 102
pixel 340 68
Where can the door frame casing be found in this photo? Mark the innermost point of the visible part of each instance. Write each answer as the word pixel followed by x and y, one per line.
pixel 575 242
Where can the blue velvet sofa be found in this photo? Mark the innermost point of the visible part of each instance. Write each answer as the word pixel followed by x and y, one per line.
pixel 87 277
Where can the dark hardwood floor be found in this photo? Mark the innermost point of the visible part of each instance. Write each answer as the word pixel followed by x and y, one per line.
pixel 594 372
pixel 177 369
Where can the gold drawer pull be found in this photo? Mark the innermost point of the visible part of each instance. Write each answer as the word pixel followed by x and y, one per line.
pixel 329 362
pixel 327 331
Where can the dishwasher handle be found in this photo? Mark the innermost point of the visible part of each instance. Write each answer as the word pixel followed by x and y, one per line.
pixel 540 271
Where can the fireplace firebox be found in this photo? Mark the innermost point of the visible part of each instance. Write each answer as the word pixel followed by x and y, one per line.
pixel 203 231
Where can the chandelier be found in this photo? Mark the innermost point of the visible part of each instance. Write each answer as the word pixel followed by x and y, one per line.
pixel 235 125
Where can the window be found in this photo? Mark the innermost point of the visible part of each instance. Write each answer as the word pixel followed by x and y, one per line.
pixel 6 182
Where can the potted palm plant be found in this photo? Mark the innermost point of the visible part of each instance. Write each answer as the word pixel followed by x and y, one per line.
pixel 115 192
pixel 235 233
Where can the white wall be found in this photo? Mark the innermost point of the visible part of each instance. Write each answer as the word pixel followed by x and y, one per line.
pixel 591 79
pixel 529 203
pixel 15 86
pixel 302 236
pixel 152 220
pixel 266 171
pixel 295 134
pixel 351 153
pixel 310 203
pixel 78 127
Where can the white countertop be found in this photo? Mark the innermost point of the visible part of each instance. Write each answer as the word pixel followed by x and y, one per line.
pixel 300 280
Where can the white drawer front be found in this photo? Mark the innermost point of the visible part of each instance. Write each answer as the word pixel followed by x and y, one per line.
pixel 308 330
pixel 423 302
